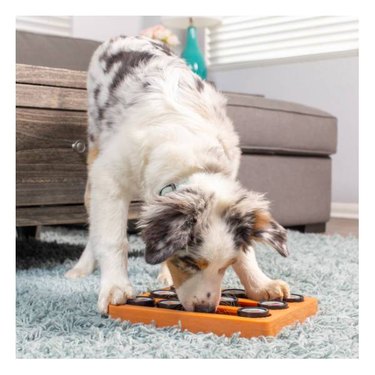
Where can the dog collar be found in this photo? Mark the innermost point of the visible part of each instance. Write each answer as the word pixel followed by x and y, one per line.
pixel 167 189
pixel 170 187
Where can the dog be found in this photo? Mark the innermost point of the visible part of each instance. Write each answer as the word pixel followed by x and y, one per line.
pixel 158 132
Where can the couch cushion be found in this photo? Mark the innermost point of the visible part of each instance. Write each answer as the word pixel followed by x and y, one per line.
pixel 298 187
pixel 277 127
pixel 54 51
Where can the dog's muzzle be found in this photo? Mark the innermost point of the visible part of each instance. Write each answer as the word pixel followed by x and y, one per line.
pixel 205 308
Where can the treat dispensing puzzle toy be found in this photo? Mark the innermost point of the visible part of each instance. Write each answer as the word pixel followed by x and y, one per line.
pixel 235 313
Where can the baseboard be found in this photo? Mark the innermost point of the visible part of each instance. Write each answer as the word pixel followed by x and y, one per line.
pixel 344 210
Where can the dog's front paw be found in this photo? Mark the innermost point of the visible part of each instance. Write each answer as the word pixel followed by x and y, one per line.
pixel 274 289
pixel 114 293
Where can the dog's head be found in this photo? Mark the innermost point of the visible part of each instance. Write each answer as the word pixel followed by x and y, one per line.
pixel 200 235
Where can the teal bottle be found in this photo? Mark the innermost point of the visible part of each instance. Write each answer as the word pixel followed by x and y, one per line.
pixel 193 55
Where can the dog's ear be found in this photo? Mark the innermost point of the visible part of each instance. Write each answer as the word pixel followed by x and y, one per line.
pixel 250 220
pixel 268 230
pixel 168 222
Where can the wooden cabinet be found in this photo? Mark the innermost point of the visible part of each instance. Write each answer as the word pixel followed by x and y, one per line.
pixel 51 150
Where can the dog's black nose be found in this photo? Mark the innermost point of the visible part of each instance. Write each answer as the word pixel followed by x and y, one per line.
pixel 204 308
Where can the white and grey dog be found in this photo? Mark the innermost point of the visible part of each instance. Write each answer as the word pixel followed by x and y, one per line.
pixel 159 133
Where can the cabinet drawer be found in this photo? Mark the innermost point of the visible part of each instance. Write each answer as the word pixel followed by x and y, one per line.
pixel 37 96
pixel 49 169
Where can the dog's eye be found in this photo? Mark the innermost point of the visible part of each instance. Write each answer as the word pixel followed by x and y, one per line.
pixel 194 264
pixel 190 262
pixel 185 264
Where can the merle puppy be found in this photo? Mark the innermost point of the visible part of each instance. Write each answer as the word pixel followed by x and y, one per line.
pixel 158 133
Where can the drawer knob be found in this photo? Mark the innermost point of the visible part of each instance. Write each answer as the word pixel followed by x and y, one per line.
pixel 79 146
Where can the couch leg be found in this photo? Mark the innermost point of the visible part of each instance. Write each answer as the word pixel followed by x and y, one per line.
pixel 309 228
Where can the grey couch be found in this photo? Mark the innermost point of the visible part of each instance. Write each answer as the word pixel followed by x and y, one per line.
pixel 286 146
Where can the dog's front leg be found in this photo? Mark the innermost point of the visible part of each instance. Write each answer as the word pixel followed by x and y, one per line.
pixel 108 237
pixel 164 276
pixel 257 285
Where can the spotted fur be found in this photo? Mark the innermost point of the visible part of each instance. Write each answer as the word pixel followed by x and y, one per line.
pixel 249 220
pixel 171 223
pixel 274 234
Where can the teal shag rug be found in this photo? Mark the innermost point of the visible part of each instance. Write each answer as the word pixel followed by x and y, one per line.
pixel 57 317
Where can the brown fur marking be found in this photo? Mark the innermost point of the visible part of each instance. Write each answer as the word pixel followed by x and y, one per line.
pixel 262 220
pixel 91 156
pixel 178 276
pixel 178 271
pixel 202 264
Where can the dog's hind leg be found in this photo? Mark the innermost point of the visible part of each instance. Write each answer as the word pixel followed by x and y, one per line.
pixel 86 263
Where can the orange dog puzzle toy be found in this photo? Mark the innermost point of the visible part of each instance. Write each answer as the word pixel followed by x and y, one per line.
pixel 234 314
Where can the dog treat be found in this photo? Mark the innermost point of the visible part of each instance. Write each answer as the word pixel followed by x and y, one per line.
pixel 239 293
pixel 164 293
pixel 253 312
pixel 294 298
pixel 172 304
pixel 228 301
pixel 273 305
pixel 141 301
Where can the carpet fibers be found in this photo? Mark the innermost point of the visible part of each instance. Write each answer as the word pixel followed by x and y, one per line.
pixel 57 317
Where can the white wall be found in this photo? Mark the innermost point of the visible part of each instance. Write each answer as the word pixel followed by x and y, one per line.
pixel 103 27
pixel 330 85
